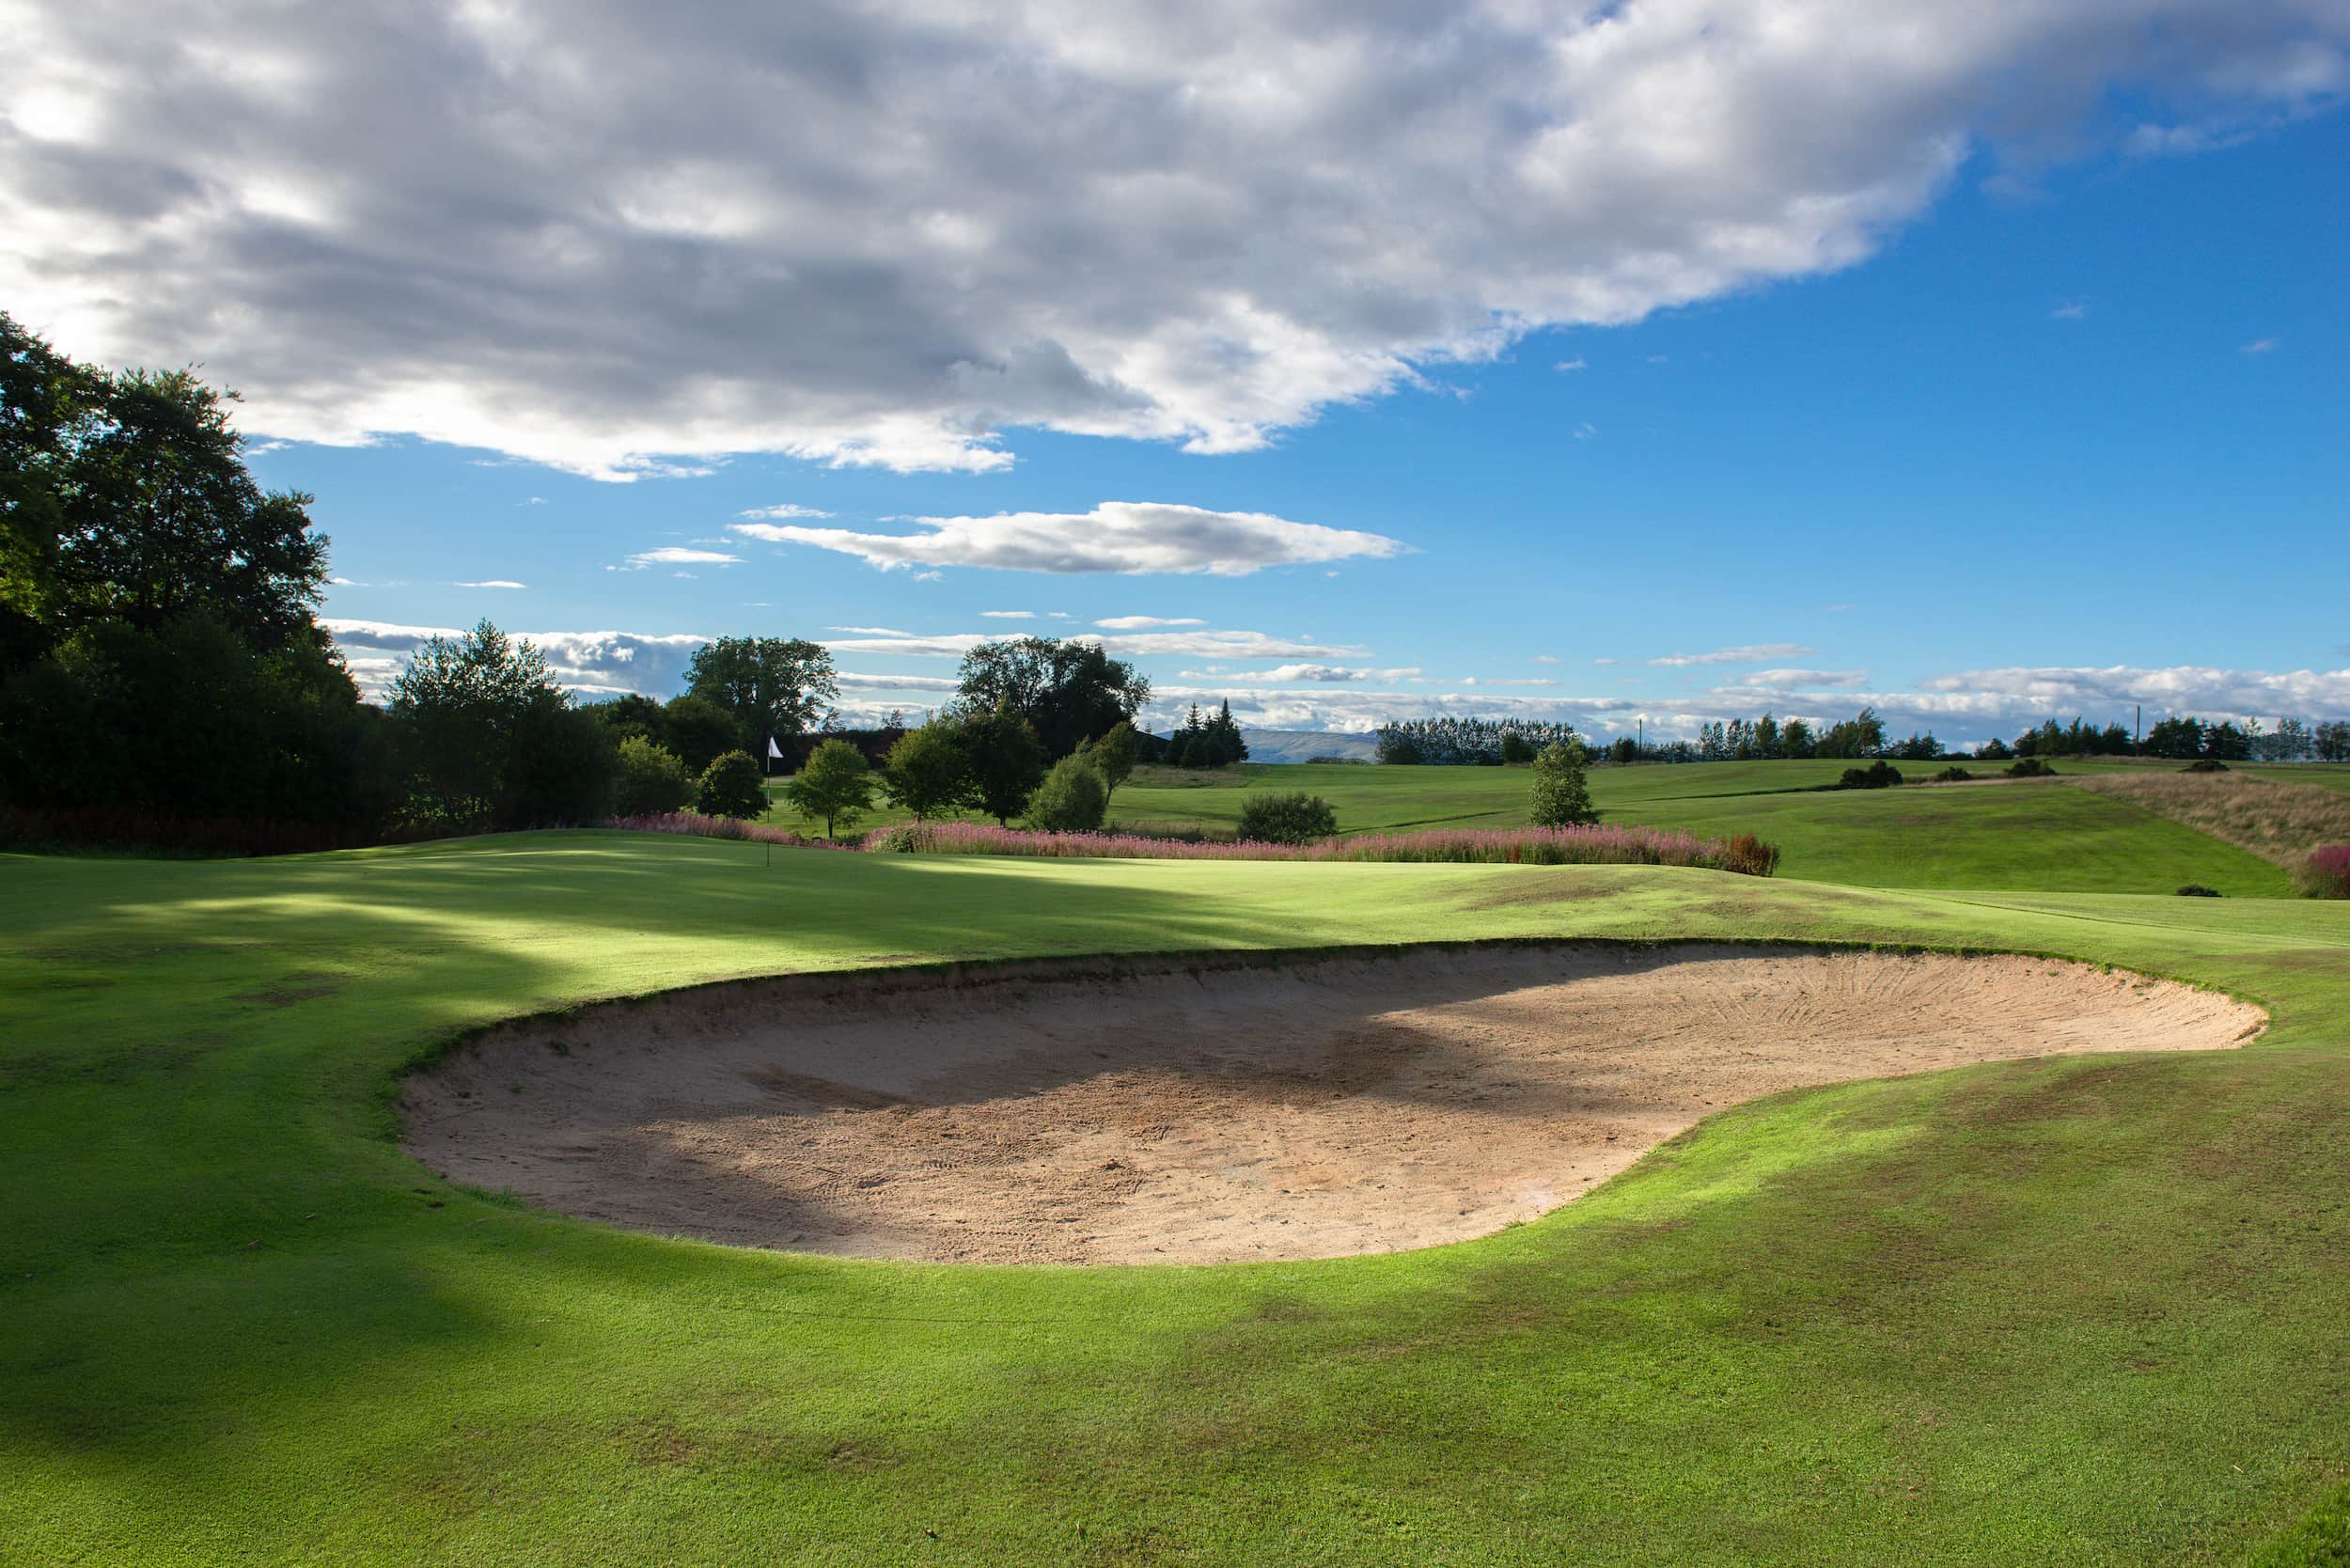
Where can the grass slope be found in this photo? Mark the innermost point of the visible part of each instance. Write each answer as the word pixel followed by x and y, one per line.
pixel 2084 1312
pixel 2040 834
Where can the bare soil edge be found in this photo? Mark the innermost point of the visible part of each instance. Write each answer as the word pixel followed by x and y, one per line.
pixel 1215 1106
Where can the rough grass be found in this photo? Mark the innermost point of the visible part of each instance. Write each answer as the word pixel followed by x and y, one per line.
pixel 2279 822
pixel 2016 834
pixel 2079 1311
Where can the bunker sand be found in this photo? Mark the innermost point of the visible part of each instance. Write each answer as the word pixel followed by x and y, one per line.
pixel 1218 1109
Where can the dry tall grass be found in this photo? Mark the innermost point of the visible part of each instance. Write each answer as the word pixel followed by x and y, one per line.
pixel 2282 823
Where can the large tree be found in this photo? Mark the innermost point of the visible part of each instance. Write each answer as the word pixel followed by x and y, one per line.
pixel 47 404
pixel 158 516
pixel 773 686
pixel 493 742
pixel 1007 761
pixel 1068 692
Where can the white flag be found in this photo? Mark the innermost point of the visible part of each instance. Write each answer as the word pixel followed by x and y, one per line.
pixel 773 750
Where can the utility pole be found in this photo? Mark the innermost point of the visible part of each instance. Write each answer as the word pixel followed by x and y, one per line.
pixel 2138 732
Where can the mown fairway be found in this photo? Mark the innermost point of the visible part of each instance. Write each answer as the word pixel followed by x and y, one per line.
pixel 2028 835
pixel 2083 1312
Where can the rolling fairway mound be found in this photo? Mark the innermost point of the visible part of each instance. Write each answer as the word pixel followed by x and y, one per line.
pixel 1198 1112
pixel 2083 1308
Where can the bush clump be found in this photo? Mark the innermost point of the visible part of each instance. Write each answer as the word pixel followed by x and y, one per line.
pixel 2196 891
pixel 1072 799
pixel 2205 764
pixel 1879 775
pixel 731 786
pixel 2327 874
pixel 653 779
pixel 2030 767
pixel 1294 817
pixel 1953 775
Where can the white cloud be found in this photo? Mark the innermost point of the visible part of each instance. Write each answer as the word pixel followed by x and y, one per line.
pixel 1794 680
pixel 626 241
pixel 1545 658
pixel 1319 674
pixel 783 510
pixel 2071 311
pixel 491 582
pixel 1574 364
pixel 596 664
pixel 532 501
pixel 1126 537
pixel 1753 654
pixel 2260 345
pixel 1142 622
pixel 1606 661
pixel 1209 645
pixel 1007 615
pixel 924 683
pixel 1586 430
pixel 678 555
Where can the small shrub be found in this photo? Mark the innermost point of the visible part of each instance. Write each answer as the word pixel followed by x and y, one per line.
pixel 731 786
pixel 1747 856
pixel 1072 799
pixel 2196 891
pixel 653 779
pixel 2030 767
pixel 2205 764
pixel 1953 775
pixel 2325 875
pixel 1879 775
pixel 1295 817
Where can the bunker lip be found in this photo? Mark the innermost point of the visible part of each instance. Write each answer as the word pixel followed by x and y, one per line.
pixel 1217 1106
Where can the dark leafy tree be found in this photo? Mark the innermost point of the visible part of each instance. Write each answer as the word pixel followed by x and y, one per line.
pixel 158 516
pixel 188 721
pixel 652 779
pixel 699 731
pixel 630 714
pixel 1068 692
pixel 733 786
pixel 1006 762
pixel 835 785
pixel 927 772
pixel 772 687
pixel 1862 735
pixel 47 405
pixel 491 741
pixel 1114 754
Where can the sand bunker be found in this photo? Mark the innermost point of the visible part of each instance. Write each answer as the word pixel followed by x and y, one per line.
pixel 1194 1112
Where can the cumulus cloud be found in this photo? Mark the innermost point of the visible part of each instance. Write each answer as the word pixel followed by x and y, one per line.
pixel 1797 679
pixel 617 238
pixel 595 663
pixel 1208 645
pixel 1752 655
pixel 1142 622
pixel 491 583
pixel 1125 537
pixel 1320 674
pixel 1007 615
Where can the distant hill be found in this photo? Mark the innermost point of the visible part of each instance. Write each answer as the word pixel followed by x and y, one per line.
pixel 1298 745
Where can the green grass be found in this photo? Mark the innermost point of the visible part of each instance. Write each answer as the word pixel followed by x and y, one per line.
pixel 2080 1311
pixel 2020 835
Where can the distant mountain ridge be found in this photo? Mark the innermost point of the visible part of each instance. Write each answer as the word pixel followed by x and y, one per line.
pixel 1299 746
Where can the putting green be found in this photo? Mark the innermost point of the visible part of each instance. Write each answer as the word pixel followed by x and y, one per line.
pixel 2082 1309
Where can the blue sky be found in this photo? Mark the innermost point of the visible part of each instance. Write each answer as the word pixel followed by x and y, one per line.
pixel 2046 415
